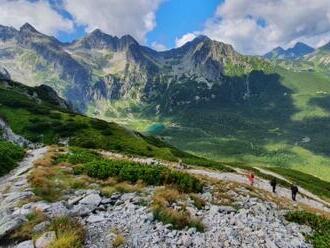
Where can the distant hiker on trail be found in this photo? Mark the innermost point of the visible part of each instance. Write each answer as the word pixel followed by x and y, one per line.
pixel 273 183
pixel 294 191
pixel 251 178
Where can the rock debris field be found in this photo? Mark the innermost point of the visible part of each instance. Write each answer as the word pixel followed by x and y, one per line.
pixel 248 222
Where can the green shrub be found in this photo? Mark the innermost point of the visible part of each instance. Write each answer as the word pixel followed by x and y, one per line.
pixel 132 172
pixel 320 225
pixel 10 154
pixel 78 156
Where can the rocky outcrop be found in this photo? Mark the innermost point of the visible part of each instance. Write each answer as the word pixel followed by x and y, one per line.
pixel 9 135
pixel 48 94
pixel 4 74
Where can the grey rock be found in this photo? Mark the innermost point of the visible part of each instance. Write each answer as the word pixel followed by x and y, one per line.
pixel 41 206
pixel 73 201
pixel 25 244
pixel 95 218
pixel 91 200
pixel 57 209
pixel 226 209
pixel 81 210
pixel 45 240
pixel 41 227
pixel 9 223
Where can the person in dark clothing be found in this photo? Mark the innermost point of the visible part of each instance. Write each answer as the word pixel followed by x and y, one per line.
pixel 294 191
pixel 273 183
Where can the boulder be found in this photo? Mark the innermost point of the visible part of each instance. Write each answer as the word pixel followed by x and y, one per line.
pixel 25 244
pixel 91 200
pixel 41 227
pixel 57 209
pixel 74 200
pixel 81 210
pixel 95 218
pixel 9 223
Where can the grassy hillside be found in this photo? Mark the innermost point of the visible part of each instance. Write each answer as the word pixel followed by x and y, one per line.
pixel 39 120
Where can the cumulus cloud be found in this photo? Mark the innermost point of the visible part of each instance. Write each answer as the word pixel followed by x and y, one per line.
pixel 135 17
pixel 259 25
pixel 38 13
pixel 158 46
pixel 185 38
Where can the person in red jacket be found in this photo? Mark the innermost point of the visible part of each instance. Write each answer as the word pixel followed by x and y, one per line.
pixel 251 178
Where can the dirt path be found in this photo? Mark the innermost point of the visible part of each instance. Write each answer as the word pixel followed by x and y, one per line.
pixel 302 190
pixel 17 175
pixel 264 185
pixel 311 200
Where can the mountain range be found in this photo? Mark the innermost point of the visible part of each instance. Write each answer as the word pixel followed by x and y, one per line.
pixel 299 50
pixel 203 97
pixel 103 67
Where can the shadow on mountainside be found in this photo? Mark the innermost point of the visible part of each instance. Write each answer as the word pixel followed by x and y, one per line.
pixel 241 116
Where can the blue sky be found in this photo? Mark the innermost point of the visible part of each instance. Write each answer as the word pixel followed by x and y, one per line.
pixel 251 26
pixel 173 18
pixel 176 18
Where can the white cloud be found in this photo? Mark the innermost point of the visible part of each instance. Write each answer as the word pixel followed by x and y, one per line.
pixel 158 46
pixel 238 22
pixel 185 38
pixel 39 14
pixel 116 17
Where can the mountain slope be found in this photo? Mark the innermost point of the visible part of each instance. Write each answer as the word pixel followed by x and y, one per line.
pixel 39 116
pixel 203 97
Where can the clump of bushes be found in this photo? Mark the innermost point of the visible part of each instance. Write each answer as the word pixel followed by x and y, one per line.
pixel 92 164
pixel 179 218
pixel 122 187
pixel 10 154
pixel 320 237
pixel 150 175
pixel 78 156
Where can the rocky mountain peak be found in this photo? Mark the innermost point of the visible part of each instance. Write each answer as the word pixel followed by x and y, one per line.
pixel 299 50
pixel 4 74
pixel 27 27
pixel 7 32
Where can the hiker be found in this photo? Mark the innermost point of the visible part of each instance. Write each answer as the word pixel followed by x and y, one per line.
pixel 294 191
pixel 251 178
pixel 273 183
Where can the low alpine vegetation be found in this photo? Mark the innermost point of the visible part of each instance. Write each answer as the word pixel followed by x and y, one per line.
pixel 133 172
pixel 95 166
pixel 320 225
pixel 164 211
pixel 25 231
pixel 10 154
pixel 69 233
